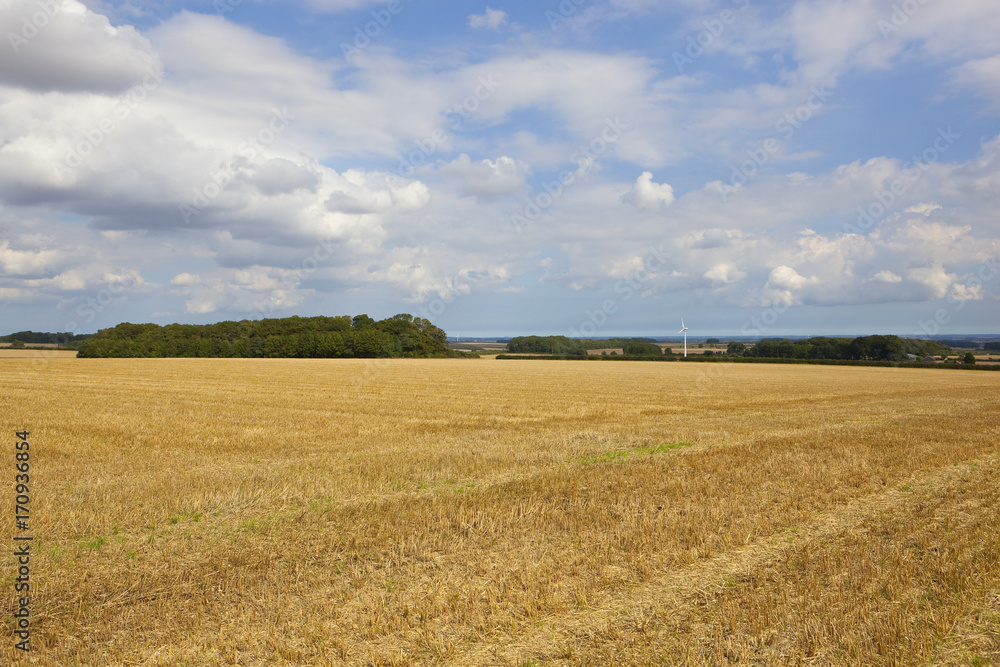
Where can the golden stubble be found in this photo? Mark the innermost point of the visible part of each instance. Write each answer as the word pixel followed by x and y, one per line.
pixel 505 512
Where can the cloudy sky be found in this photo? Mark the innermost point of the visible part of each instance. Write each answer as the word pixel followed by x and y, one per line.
pixel 583 167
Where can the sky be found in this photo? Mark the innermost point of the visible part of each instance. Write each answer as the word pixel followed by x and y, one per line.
pixel 576 167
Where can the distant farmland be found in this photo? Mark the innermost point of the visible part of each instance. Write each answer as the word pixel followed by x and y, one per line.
pixel 456 512
pixel 52 353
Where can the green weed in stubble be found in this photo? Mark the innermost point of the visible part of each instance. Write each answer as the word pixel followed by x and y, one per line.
pixel 90 545
pixel 667 448
pixel 618 454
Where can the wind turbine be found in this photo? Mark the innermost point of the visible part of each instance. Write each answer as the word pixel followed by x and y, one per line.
pixel 684 330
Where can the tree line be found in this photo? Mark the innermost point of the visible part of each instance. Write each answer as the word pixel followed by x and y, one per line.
pixel 862 348
pixel 38 338
pixel 578 346
pixel 291 337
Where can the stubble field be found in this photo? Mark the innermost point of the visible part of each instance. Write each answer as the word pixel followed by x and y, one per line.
pixel 453 512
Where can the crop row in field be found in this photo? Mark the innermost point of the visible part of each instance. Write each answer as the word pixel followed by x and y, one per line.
pixel 478 512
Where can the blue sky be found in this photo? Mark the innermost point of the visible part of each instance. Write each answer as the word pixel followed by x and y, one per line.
pixel 595 167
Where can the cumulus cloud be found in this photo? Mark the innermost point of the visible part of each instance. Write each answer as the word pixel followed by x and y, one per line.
pixel 923 209
pixel 240 291
pixel 981 76
pixel 27 262
pixel 185 280
pixel 319 184
pixel 60 45
pixel 486 178
pixel 360 193
pixel 724 274
pixel 887 277
pixel 646 195
pixel 963 292
pixel 713 238
pixel 785 286
pixel 280 176
pixel 492 18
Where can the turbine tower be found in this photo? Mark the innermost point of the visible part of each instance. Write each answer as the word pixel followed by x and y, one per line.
pixel 684 330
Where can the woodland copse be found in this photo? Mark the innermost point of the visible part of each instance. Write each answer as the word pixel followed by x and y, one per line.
pixel 292 337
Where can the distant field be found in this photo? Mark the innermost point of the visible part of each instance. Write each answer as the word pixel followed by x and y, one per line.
pixel 487 345
pixel 476 512
pixel 36 354
pixel 46 345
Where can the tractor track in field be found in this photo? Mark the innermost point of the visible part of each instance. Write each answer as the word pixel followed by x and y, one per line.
pixel 696 585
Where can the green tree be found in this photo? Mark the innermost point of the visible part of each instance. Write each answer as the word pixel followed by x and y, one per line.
pixel 361 322
pixel 638 349
pixel 878 348
pixel 241 346
pixel 736 348
pixel 969 359
pixel 367 344
pixel 274 346
pixel 330 345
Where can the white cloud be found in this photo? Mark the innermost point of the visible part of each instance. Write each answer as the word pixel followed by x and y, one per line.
pixel 981 76
pixel 646 195
pixel 13 294
pixel 28 262
pixel 60 45
pixel 887 277
pixel 492 18
pixel 358 192
pixel 255 289
pixel 924 209
pixel 935 279
pixel 963 292
pixel 186 280
pixel 724 274
pixel 486 178
pixel 323 185
pixel 280 176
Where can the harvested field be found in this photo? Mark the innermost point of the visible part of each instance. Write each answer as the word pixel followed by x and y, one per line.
pixel 456 512
pixel 7 353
